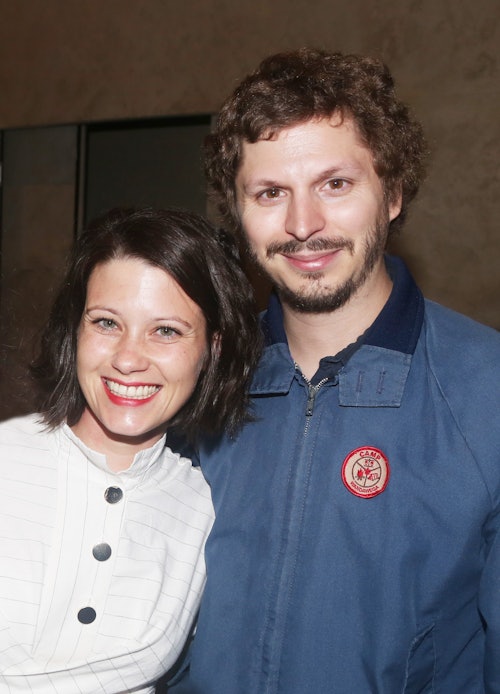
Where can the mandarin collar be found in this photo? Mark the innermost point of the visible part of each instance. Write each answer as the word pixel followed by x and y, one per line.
pixel 143 460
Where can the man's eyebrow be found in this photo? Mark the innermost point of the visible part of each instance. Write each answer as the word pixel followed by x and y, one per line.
pixel 260 183
pixel 342 168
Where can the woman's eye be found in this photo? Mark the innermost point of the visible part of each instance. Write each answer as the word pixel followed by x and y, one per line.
pixel 106 323
pixel 166 331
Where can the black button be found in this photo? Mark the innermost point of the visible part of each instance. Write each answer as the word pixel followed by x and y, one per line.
pixel 86 615
pixel 113 495
pixel 102 551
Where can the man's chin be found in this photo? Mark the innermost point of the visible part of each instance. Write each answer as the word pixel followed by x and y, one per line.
pixel 320 301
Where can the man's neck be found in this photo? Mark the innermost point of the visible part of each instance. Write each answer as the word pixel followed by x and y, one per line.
pixel 312 336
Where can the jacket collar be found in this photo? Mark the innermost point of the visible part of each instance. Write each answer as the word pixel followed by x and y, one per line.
pixel 376 373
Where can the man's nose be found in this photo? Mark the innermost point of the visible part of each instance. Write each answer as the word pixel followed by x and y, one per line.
pixel 304 216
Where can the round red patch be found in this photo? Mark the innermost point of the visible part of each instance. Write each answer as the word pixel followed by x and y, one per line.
pixel 365 472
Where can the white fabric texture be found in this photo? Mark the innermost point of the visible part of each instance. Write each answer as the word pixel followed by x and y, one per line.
pixel 53 513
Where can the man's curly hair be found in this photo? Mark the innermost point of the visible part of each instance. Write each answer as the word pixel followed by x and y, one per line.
pixel 292 88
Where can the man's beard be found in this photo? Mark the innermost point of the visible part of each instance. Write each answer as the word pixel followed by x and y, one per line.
pixel 316 297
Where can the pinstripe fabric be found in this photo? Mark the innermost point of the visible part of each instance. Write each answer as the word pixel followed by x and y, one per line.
pixel 53 512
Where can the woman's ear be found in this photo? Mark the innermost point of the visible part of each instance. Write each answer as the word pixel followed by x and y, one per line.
pixel 216 344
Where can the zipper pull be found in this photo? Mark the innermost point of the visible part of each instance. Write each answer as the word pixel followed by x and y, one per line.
pixel 312 391
pixel 311 396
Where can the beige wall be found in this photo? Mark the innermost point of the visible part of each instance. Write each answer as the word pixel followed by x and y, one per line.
pixel 72 61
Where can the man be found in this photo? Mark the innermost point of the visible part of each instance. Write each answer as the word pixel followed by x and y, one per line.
pixel 355 548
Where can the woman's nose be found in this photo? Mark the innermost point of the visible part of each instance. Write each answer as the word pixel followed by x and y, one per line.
pixel 130 355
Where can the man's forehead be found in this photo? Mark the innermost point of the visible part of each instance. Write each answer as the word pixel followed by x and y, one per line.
pixel 312 130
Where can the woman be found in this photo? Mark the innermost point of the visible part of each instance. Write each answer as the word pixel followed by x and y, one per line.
pixel 102 525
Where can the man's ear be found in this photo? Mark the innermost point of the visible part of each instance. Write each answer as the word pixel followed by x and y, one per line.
pixel 395 202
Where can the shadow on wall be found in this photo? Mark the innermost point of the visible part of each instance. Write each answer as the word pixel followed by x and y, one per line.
pixel 19 340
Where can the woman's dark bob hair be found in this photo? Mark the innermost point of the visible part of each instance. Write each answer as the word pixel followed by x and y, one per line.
pixel 204 262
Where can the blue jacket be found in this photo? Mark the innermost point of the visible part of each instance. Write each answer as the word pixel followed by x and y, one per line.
pixel 356 546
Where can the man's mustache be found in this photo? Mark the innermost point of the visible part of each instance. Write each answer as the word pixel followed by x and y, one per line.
pixel 313 245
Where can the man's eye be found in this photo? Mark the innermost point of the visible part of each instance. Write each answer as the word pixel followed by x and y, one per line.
pixel 336 183
pixel 271 193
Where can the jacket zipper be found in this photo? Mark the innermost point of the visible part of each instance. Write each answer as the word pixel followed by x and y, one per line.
pixel 312 392
pixel 273 636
